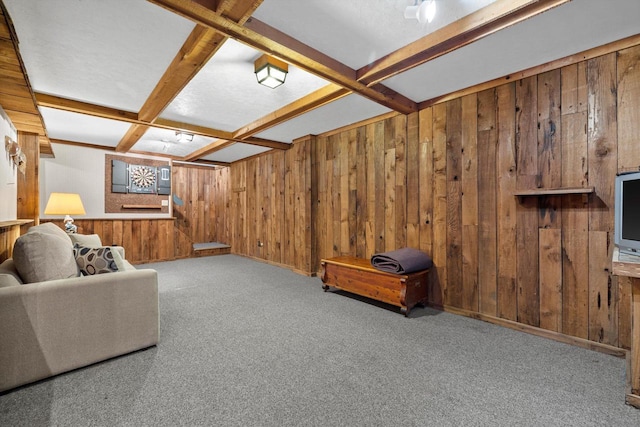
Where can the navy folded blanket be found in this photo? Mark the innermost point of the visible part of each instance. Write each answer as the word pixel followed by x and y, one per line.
pixel 401 261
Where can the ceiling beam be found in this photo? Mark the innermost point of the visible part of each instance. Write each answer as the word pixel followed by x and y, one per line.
pixel 140 126
pixel 199 47
pixel 80 107
pixel 314 64
pixel 59 103
pixel 316 99
pixel 471 28
pixel 264 143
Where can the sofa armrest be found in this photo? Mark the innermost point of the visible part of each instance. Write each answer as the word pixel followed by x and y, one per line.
pixel 120 250
pixel 52 327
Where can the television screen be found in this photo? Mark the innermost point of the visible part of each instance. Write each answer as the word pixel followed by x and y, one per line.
pixel 631 210
pixel 627 213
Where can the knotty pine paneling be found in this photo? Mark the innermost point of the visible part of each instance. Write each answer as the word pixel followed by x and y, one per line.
pixel 144 240
pixel 443 180
pixel 28 183
pixel 270 207
pixel 204 215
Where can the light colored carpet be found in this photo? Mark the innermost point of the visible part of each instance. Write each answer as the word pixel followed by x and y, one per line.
pixel 248 344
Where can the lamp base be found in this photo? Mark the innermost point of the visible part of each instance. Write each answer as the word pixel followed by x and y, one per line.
pixel 69 226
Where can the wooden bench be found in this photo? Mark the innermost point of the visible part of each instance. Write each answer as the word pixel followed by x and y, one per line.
pixel 356 275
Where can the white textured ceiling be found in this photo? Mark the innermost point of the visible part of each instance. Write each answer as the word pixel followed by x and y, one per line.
pixel 533 42
pixel 164 141
pixel 343 112
pixel 225 93
pixel 97 51
pixel 113 53
pixel 75 127
pixel 236 152
pixel 357 32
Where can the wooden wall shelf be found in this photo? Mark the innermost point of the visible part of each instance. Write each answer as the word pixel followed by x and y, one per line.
pixel 11 223
pixel 555 191
pixel 141 206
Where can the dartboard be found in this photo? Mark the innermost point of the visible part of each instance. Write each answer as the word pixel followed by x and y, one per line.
pixel 143 177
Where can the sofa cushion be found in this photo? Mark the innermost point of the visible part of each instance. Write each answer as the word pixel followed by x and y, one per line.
pixel 7 280
pixel 95 260
pixel 86 240
pixel 42 254
pixel 8 268
pixel 52 229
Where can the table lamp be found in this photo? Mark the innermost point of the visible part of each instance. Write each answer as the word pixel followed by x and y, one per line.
pixel 66 204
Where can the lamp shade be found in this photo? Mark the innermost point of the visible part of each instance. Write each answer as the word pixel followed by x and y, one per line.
pixel 64 204
pixel 270 72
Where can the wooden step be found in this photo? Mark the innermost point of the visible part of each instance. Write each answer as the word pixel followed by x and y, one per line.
pixel 211 248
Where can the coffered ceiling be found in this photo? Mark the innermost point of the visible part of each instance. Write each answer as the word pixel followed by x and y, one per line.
pixel 127 75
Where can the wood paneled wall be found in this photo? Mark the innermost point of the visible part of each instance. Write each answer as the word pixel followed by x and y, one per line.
pixel 444 180
pixel 271 207
pixel 204 215
pixel 202 218
pixel 28 206
pixel 144 240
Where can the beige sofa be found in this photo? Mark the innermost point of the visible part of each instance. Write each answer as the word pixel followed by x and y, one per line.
pixel 69 320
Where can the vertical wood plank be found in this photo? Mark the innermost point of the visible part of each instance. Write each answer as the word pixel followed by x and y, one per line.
pixel 455 284
pixel 426 179
pixel 549 150
pixel 413 181
pixel 400 190
pixel 321 212
pixel 344 216
pixel 575 256
pixel 438 290
pixel 379 185
pixel 361 174
pixel 288 251
pixel 370 218
pixel 352 167
pixel 487 202
pixel 603 290
pixel 550 279
pixel 628 102
pixel 575 213
pixel 469 207
pixel 624 312
pixel 527 211
pixel 602 133
pixel 389 186
pixel 506 203
pixel 28 183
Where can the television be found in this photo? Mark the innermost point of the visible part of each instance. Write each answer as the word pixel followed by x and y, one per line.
pixel 627 213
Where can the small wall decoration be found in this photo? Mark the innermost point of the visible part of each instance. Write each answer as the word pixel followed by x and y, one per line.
pixel 16 156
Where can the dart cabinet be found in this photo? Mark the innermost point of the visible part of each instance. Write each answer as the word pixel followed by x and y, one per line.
pixel 136 185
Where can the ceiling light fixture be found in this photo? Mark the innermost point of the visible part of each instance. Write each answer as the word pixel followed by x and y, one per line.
pixel 270 72
pixel 184 137
pixel 424 11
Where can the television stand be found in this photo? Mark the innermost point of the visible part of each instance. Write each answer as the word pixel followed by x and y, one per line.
pixel 629 266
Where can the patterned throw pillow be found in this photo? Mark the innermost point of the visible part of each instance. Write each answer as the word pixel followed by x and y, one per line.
pixel 94 260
